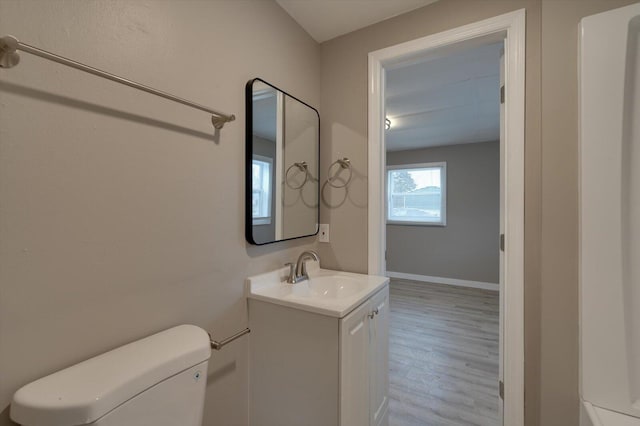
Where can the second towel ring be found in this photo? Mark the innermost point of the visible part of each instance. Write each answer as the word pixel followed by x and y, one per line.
pixel 303 168
pixel 344 163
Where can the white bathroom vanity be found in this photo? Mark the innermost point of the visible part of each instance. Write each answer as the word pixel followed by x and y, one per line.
pixel 319 349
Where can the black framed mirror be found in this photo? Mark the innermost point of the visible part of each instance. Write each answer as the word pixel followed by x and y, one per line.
pixel 282 165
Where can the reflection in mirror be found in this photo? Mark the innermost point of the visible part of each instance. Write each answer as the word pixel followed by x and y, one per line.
pixel 282 165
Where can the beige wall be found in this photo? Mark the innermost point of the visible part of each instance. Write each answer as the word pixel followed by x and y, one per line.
pixel 301 144
pixel 551 250
pixel 559 309
pixel 121 215
pixel 344 133
pixel 467 247
pixel 344 106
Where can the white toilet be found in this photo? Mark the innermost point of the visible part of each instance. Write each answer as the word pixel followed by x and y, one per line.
pixel 156 381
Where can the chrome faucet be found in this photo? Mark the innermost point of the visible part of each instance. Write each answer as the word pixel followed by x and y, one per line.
pixel 298 271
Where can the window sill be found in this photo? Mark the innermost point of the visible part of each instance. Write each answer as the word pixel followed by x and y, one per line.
pixel 409 223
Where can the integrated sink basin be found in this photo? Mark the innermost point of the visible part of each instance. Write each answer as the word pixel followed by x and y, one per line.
pixel 327 292
pixel 328 287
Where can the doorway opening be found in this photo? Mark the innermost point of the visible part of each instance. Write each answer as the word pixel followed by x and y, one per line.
pixel 410 195
pixel 442 144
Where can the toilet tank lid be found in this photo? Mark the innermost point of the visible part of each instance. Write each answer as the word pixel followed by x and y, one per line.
pixel 87 391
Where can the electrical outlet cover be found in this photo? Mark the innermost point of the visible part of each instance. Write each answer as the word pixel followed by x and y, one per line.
pixel 323 235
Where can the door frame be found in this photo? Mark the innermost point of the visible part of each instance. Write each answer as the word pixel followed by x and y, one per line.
pixel 509 27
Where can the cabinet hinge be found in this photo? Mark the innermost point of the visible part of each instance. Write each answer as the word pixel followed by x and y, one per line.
pixel 502 94
pixel 501 389
pixel 501 242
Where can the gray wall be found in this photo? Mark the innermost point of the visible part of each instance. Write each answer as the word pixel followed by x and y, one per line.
pixel 467 247
pixel 122 214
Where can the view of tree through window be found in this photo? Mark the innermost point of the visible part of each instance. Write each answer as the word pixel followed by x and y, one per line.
pixel 416 194
pixel 403 181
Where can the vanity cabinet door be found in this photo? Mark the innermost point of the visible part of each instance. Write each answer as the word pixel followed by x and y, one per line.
pixel 354 367
pixel 379 359
pixel 364 363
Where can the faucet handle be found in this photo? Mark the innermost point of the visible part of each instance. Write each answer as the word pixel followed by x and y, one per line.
pixel 291 279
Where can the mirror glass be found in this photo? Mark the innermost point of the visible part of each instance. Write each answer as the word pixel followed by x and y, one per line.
pixel 282 165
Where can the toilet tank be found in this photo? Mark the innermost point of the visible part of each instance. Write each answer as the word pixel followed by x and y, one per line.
pixel 157 381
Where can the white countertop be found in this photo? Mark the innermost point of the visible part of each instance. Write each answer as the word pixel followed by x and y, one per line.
pixel 327 292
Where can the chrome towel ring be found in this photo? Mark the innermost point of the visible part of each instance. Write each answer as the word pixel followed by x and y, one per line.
pixel 303 167
pixel 343 163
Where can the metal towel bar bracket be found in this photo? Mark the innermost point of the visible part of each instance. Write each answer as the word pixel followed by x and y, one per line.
pixel 217 345
pixel 9 58
pixel 343 163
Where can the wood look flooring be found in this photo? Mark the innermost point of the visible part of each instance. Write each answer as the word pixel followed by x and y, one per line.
pixel 443 355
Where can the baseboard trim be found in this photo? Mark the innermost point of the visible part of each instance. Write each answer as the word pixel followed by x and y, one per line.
pixel 442 280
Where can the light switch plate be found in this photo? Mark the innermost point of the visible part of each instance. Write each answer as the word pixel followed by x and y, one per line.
pixel 323 235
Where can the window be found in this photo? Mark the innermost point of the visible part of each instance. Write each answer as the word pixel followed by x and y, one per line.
pixel 261 189
pixel 416 194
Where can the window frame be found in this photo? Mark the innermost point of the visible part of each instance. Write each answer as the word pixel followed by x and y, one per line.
pixel 442 165
pixel 265 220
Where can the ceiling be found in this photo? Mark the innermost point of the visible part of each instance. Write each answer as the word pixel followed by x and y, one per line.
pixel 327 19
pixel 445 100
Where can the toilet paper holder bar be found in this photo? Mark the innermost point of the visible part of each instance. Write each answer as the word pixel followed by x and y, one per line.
pixel 217 345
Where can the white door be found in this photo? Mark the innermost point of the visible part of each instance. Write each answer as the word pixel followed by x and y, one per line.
pixel 379 358
pixel 501 236
pixel 354 367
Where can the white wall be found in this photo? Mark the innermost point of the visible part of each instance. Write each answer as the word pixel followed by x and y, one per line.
pixel 120 215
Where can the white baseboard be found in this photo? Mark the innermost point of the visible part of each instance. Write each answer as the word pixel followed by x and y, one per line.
pixel 442 280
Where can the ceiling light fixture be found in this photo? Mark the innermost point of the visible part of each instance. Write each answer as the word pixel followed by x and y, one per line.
pixel 387 123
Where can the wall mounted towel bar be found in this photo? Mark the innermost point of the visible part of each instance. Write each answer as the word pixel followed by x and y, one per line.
pixel 9 58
